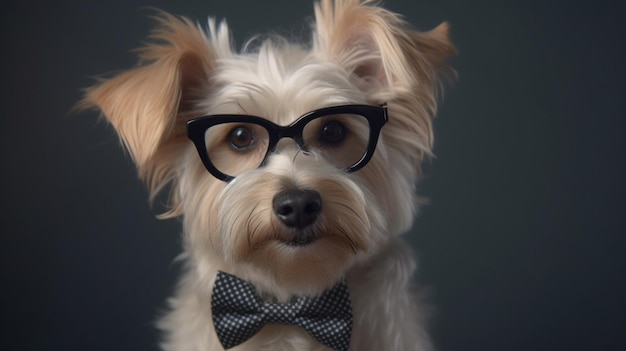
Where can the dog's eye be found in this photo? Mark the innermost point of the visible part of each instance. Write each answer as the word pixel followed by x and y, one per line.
pixel 241 138
pixel 333 132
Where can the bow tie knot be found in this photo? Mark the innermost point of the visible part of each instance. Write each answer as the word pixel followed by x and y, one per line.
pixel 238 313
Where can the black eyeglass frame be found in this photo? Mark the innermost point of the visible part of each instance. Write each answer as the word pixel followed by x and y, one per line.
pixel 375 115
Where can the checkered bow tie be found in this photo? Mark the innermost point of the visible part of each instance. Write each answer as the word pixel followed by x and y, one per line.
pixel 238 313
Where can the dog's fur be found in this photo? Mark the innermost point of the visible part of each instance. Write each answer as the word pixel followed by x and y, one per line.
pixel 360 54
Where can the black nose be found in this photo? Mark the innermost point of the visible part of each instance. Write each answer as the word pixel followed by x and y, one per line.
pixel 297 208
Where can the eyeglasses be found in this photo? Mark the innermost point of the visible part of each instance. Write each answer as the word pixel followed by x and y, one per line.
pixel 345 136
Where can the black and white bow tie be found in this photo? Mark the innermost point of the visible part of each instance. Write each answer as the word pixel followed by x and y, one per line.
pixel 238 313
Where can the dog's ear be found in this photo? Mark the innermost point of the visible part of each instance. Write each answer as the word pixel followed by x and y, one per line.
pixel 390 61
pixel 376 44
pixel 149 104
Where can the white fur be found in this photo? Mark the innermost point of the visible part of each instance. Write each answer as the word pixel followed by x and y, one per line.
pixel 360 54
pixel 388 314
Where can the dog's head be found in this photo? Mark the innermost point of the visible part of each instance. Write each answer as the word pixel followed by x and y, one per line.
pixel 303 157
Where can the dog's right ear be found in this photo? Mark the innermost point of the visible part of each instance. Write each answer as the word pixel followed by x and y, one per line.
pixel 149 105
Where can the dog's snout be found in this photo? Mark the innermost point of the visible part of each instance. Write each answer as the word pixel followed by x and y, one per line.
pixel 297 208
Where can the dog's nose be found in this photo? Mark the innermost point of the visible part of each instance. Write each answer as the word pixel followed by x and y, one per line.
pixel 297 208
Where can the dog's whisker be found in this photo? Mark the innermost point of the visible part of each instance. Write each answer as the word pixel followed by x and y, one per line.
pixel 347 237
pixel 249 219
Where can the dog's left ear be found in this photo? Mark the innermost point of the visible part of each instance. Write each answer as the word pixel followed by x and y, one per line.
pixel 378 46
pixel 149 104
pixel 390 62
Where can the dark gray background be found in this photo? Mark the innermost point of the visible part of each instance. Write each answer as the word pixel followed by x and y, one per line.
pixel 522 245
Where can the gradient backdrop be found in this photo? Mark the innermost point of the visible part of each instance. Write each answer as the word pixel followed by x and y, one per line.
pixel 522 245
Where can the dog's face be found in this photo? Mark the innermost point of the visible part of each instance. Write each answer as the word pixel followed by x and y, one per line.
pixel 290 209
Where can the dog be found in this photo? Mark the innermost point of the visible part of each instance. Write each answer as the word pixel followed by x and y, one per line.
pixel 293 166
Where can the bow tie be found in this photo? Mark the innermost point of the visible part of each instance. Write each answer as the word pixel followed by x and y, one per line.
pixel 238 313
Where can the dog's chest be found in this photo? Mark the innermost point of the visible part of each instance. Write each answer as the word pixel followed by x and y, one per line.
pixel 281 338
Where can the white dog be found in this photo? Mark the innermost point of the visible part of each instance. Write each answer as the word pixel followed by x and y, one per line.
pixel 298 180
